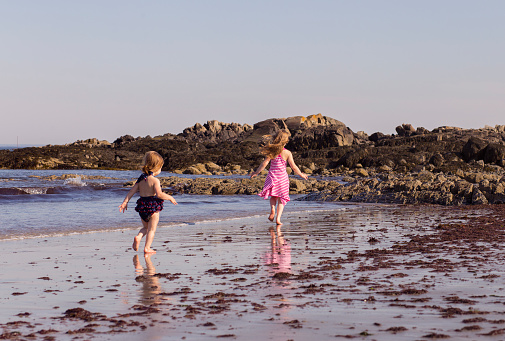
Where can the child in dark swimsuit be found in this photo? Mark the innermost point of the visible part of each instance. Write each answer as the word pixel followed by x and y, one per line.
pixel 151 200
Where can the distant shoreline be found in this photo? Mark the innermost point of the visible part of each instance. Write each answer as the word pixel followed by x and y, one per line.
pixel 13 146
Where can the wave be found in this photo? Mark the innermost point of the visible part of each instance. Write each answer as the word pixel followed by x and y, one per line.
pixel 77 181
pixel 78 187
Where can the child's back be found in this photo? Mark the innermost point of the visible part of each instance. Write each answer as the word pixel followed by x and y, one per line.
pixel 147 186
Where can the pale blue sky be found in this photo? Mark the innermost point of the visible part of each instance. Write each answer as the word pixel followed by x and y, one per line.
pixel 79 69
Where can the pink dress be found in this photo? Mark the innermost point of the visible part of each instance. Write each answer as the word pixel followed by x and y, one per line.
pixel 277 181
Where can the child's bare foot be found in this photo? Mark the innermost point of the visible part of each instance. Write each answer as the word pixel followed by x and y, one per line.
pixel 149 251
pixel 136 242
pixel 278 222
pixel 271 216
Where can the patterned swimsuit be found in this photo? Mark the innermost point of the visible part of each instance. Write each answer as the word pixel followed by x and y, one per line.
pixel 146 206
pixel 277 181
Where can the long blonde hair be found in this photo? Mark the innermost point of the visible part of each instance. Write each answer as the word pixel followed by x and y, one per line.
pixel 275 144
pixel 152 162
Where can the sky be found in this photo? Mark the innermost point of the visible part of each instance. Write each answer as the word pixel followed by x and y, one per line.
pixel 73 70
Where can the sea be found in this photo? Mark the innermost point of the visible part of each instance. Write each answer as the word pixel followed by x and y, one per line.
pixel 44 203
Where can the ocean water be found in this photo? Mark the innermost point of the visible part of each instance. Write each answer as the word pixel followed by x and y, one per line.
pixel 16 146
pixel 41 203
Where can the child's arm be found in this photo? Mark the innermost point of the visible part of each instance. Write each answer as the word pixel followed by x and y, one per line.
pixel 295 168
pixel 162 195
pixel 260 168
pixel 124 206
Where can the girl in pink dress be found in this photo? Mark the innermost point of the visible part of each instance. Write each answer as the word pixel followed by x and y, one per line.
pixel 277 181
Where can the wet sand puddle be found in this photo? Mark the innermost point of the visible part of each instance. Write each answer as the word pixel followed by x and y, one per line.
pixel 368 272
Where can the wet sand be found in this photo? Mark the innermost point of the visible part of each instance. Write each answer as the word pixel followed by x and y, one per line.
pixel 366 272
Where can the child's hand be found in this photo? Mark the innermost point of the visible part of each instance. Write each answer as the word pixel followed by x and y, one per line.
pixel 172 200
pixel 123 207
pixel 305 176
pixel 252 175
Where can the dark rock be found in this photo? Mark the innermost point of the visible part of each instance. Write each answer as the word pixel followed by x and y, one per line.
pixel 121 141
pixel 376 136
pixel 266 127
pixel 405 130
pixel 352 158
pixel 437 160
pixel 215 132
pixel 472 149
pixel 494 153
pixel 421 131
pixel 322 137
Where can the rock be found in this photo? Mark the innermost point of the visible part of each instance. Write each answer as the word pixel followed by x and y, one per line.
pixel 307 170
pixel 385 168
pixel 125 139
pixel 472 149
pixel 494 153
pixel 214 132
pixel 296 185
pixel 266 127
pixel 352 158
pixel 437 160
pixel 295 123
pixel 500 188
pixel 426 176
pixel 212 167
pixel 421 131
pixel 474 177
pixel 460 173
pixel 192 170
pixel 201 168
pixel 362 135
pixel 478 198
pixel 405 130
pixel 321 137
pixel 361 172
pixel 376 137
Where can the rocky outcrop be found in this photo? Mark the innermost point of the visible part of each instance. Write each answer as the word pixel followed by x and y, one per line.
pixel 215 132
pixel 93 142
pixel 219 186
pixel 321 146
pixel 419 188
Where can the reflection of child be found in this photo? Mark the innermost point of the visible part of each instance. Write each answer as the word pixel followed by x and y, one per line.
pixel 151 199
pixel 277 181
pixel 281 252
pixel 150 283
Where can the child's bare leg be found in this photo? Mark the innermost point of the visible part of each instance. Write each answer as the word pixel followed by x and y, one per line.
pixel 151 230
pixel 138 237
pixel 273 201
pixel 280 208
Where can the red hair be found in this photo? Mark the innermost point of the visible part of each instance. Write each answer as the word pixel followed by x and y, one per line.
pixel 152 162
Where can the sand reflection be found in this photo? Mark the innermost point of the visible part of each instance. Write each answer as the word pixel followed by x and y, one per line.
pixel 150 283
pixel 279 257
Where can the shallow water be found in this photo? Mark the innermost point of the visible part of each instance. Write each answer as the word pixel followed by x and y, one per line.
pixel 33 205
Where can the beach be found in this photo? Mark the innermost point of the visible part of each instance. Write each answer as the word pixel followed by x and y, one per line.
pixel 357 271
